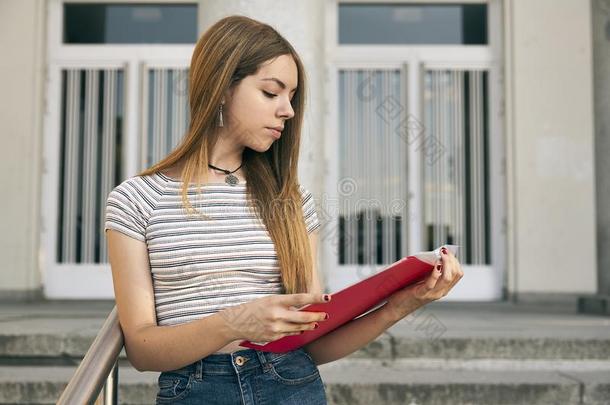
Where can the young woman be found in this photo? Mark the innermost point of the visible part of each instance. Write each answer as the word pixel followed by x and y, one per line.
pixel 191 283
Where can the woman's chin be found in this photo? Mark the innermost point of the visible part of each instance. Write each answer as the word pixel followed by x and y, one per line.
pixel 261 147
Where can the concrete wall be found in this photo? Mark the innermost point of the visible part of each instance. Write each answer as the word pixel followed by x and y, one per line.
pixel 549 120
pixel 601 80
pixel 550 139
pixel 22 50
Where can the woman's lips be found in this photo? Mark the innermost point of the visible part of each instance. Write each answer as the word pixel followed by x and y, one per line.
pixel 275 133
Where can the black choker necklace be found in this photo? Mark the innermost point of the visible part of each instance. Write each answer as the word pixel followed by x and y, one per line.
pixel 229 179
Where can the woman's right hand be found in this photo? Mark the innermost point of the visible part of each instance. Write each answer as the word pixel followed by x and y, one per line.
pixel 273 317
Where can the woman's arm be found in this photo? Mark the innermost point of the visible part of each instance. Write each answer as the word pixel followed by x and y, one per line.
pixel 359 332
pixel 352 335
pixel 150 347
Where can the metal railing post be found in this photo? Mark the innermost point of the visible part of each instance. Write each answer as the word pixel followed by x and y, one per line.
pixel 99 368
pixel 111 387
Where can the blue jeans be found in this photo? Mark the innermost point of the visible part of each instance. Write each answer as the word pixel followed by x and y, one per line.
pixel 248 377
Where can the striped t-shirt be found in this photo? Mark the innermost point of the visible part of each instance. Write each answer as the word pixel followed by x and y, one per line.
pixel 199 266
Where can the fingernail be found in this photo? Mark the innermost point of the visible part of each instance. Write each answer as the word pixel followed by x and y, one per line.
pixel 326 297
pixel 444 250
pixel 315 326
pixel 325 316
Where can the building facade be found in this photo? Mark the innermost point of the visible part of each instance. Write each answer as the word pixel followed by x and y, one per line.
pixel 477 123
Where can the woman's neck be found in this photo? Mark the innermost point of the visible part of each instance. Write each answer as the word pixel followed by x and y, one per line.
pixel 226 155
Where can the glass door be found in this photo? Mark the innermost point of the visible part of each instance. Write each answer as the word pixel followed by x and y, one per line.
pixel 414 164
pixel 111 110
pixel 373 217
pixel 406 184
pixel 456 178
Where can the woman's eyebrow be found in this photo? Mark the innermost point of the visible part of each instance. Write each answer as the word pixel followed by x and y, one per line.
pixel 278 81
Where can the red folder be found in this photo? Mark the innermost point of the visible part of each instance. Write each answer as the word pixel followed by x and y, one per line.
pixel 358 299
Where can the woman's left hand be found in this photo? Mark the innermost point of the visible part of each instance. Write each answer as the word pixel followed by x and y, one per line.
pixel 447 272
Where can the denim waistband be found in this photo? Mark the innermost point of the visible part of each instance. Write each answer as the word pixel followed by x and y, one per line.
pixel 229 363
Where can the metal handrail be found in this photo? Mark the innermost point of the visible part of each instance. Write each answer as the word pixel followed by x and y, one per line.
pixel 99 368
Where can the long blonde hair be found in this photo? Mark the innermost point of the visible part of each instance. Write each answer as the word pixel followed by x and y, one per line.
pixel 231 49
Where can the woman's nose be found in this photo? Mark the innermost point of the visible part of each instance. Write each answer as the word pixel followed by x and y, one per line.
pixel 286 110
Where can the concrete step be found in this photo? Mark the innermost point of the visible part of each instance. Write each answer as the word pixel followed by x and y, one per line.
pixel 69 348
pixel 466 348
pixel 62 338
pixel 444 353
pixel 368 381
pixel 44 384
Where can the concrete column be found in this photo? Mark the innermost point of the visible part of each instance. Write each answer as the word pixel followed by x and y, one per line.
pixel 302 24
pixel 22 34
pixel 600 303
pixel 601 80
pixel 551 136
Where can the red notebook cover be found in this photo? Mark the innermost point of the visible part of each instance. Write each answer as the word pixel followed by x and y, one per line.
pixel 358 299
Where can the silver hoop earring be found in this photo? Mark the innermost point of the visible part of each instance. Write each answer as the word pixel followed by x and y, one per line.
pixel 220 121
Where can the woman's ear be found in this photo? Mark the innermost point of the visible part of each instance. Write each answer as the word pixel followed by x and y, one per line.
pixel 228 95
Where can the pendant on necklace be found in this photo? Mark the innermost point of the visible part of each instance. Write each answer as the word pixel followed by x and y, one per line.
pixel 231 180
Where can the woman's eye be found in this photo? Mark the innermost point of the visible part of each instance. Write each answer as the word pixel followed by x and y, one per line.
pixel 270 95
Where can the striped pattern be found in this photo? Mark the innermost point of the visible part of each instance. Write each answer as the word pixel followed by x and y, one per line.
pixel 373 168
pixel 456 202
pixel 199 266
pixel 92 107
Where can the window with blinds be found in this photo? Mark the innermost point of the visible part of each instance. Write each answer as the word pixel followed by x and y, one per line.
pixel 452 142
pixel 372 173
pixel 92 114
pixel 91 150
pixel 456 184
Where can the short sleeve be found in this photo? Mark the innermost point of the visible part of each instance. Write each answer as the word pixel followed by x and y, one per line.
pixel 309 210
pixel 125 212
